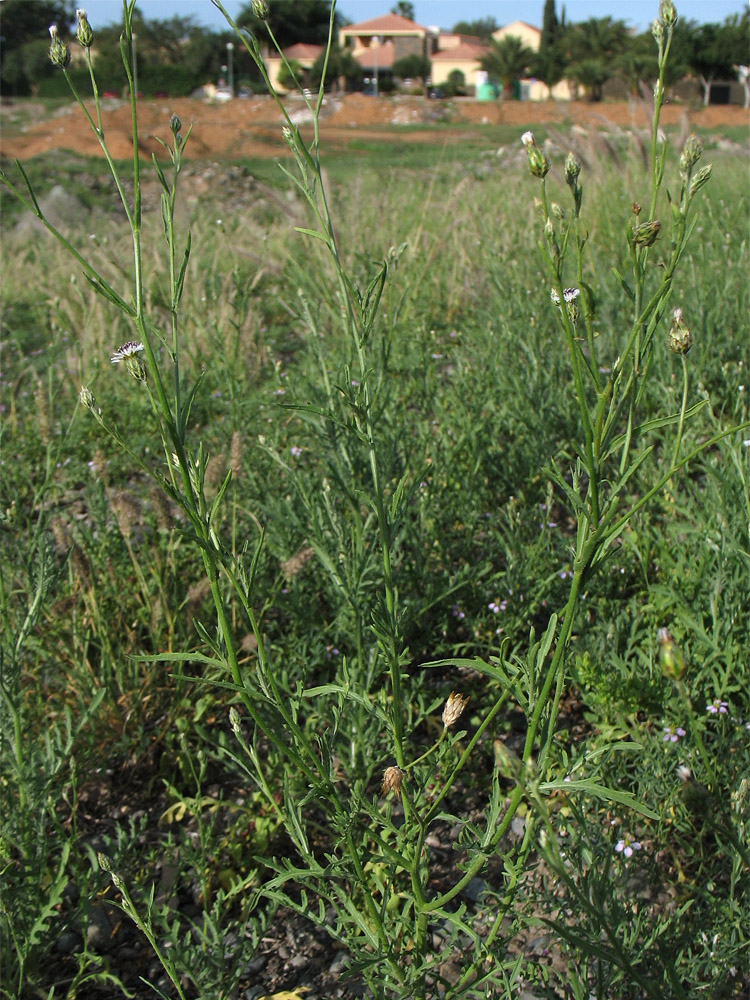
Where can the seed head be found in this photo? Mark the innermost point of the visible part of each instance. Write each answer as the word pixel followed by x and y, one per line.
pixel 645 233
pixel 84 34
pixel 680 338
pixel 453 709
pixel 392 779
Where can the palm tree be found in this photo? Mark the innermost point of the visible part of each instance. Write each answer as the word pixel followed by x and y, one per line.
pixel 508 60
pixel 594 47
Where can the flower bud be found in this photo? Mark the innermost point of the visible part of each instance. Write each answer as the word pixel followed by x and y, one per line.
pixel 701 178
pixel 59 52
pixel 88 400
pixel 657 30
pixel 667 13
pixel 454 707
pixel 392 779
pixel 558 211
pixel 84 34
pixel 260 9
pixel 234 720
pixel 175 125
pixel 680 338
pixel 572 169
pixel 644 234
pixel 670 656
pixel 691 153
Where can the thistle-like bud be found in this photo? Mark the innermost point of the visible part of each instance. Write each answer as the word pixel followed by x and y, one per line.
pixel 644 234
pixel 84 34
pixel 175 125
pixel 234 720
pixel 691 153
pixel 538 162
pixel 260 9
pixel 87 399
pixel 680 338
pixel 657 30
pixel 392 779
pixel 702 177
pixel 453 709
pixel 572 169
pixel 667 13
pixel 670 656
pixel 59 53
pixel 558 211
pixel 636 209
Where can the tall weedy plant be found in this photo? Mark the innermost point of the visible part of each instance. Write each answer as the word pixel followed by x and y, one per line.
pixel 360 864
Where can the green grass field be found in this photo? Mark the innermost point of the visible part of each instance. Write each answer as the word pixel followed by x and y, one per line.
pixel 115 684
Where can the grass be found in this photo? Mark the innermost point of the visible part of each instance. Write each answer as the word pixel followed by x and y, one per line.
pixel 112 666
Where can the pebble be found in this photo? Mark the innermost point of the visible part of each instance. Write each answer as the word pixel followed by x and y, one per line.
pixel 339 963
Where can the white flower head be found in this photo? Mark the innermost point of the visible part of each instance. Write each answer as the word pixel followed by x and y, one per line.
pixel 528 139
pixel 53 31
pixel 569 295
pixel 127 351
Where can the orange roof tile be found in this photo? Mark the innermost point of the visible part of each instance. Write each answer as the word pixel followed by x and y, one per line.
pixel 463 51
pixel 384 25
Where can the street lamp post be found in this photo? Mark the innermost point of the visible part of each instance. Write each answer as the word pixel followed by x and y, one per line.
pixel 230 50
pixel 377 46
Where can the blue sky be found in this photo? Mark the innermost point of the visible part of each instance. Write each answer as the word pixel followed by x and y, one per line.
pixel 637 13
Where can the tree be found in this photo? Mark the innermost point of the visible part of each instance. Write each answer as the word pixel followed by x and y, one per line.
pixel 717 50
pixel 26 24
pixel 549 65
pixel 291 21
pixel 483 27
pixel 508 60
pixel 404 9
pixel 594 47
pixel 413 67
pixel 341 66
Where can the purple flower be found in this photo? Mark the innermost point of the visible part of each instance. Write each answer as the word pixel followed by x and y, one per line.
pixel 296 452
pixel 672 734
pixel 627 845
pixel 458 613
pixel 717 707
pixel 496 606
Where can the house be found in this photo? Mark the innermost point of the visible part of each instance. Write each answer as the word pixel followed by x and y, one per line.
pixel 301 52
pixel 376 44
pixel 460 53
pixel 532 89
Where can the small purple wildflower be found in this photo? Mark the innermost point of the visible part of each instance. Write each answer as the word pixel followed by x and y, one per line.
pixel 717 707
pixel 332 651
pixel 458 613
pixel 672 734
pixel 295 451
pixel 279 392
pixel 627 845
pixel 496 606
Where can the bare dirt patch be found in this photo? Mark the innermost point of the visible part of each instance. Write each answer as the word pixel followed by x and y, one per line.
pixel 251 128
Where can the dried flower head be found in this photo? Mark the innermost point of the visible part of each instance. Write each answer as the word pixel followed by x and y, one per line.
pixel 84 34
pixel 453 709
pixel 569 298
pixel 392 779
